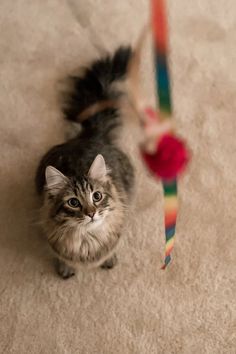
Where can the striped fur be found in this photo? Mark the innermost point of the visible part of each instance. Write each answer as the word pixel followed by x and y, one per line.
pixel 73 238
pixel 68 232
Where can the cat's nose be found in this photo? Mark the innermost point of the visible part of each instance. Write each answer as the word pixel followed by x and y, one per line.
pixel 91 215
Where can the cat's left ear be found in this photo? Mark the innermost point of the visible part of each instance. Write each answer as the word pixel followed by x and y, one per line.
pixel 98 169
pixel 55 180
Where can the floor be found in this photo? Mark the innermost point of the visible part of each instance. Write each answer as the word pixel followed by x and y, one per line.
pixel 135 308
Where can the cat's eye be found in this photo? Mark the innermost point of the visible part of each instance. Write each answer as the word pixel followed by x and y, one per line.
pixel 97 196
pixel 73 203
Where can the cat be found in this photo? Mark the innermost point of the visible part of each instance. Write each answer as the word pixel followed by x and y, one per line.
pixel 86 182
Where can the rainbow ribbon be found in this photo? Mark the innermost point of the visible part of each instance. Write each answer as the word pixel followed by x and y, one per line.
pixel 160 38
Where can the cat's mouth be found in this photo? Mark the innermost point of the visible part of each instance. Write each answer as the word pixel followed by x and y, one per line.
pixel 94 222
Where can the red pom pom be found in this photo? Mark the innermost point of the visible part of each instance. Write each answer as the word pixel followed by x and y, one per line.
pixel 170 158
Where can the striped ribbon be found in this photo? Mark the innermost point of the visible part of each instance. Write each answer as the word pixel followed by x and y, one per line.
pixel 170 209
pixel 160 39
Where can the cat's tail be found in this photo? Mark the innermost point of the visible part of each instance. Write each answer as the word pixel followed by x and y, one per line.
pixel 92 100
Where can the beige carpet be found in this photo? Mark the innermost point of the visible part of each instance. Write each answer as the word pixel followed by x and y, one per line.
pixel 135 308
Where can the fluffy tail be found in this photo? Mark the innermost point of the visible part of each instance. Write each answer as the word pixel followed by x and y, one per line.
pixel 92 99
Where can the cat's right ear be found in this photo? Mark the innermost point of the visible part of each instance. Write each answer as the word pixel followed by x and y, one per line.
pixel 98 169
pixel 55 180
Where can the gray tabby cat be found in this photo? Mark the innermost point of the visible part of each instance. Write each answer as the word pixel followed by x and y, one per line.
pixel 86 182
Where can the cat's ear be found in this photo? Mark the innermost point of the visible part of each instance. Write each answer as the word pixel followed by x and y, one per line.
pixel 54 179
pixel 98 169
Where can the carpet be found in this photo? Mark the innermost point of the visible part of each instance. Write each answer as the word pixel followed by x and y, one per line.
pixel 135 308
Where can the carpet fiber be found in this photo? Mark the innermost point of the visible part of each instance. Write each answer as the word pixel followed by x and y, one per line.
pixel 135 308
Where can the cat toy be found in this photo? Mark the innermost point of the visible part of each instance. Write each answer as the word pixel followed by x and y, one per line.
pixel 164 154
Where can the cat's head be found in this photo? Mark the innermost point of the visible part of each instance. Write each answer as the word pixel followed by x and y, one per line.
pixel 85 201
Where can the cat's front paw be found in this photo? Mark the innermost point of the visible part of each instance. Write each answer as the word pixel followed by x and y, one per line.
pixel 110 262
pixel 64 270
